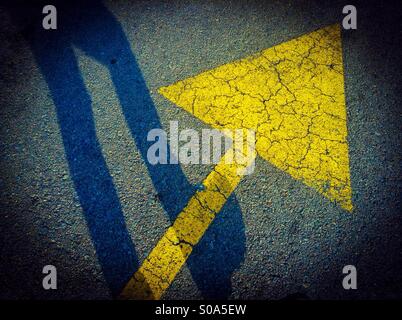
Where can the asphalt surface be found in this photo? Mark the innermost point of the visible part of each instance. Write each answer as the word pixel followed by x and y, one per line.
pixel 77 192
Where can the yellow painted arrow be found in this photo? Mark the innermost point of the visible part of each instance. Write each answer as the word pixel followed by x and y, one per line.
pixel 292 95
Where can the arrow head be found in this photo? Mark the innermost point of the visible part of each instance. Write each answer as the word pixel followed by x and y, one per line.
pixel 292 95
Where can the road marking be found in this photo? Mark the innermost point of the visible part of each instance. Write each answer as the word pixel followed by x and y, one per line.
pixel 292 95
pixel 159 269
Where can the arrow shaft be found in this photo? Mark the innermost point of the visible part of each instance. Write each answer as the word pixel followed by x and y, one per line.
pixel 160 268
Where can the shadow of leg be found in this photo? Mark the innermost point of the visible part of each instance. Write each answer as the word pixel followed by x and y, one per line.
pixel 91 27
pixel 93 183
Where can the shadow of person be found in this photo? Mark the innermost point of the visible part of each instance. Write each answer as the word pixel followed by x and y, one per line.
pixel 90 26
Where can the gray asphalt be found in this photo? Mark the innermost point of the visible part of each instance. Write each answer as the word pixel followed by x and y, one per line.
pixel 288 241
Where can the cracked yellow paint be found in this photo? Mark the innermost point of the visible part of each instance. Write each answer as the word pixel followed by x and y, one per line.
pixel 159 269
pixel 292 95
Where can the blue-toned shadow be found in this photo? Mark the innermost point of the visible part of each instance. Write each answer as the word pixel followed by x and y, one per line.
pixel 90 26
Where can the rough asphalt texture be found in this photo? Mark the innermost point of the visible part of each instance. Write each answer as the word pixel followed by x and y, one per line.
pixel 276 238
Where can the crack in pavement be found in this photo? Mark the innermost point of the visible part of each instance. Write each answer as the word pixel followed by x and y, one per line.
pixel 292 95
